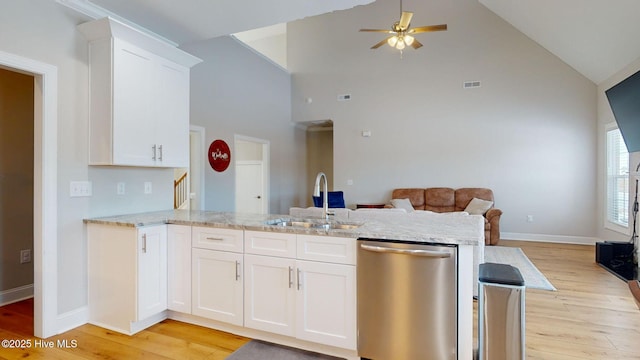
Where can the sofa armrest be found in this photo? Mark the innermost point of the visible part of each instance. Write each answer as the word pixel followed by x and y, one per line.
pixel 493 217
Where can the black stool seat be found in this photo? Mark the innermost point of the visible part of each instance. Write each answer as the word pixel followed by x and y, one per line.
pixel 500 274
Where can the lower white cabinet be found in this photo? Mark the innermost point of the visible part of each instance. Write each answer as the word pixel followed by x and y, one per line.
pixel 217 291
pixel 179 268
pixel 127 273
pixel 309 300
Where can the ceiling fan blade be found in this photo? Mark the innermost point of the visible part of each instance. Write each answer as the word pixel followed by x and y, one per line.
pixel 381 43
pixel 378 30
pixel 428 29
pixel 405 20
pixel 416 44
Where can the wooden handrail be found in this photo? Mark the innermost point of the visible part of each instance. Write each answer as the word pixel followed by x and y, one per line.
pixel 180 191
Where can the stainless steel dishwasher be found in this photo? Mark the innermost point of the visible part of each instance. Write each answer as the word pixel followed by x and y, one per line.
pixel 407 300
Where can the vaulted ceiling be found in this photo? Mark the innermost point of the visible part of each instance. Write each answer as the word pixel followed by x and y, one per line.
pixel 595 37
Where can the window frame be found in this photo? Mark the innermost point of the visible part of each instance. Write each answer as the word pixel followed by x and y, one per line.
pixel 608 224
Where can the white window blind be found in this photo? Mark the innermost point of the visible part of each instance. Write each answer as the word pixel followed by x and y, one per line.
pixel 617 180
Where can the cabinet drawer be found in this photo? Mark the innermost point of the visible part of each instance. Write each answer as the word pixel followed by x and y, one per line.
pixel 217 239
pixel 327 249
pixel 270 243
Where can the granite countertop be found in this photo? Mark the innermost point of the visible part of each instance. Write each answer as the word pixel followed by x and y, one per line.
pixel 439 228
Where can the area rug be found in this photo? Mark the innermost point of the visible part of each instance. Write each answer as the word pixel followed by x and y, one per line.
pixel 533 278
pixel 262 350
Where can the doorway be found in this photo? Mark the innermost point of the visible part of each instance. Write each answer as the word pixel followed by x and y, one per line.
pixel 188 189
pixel 252 175
pixel 319 136
pixel 45 227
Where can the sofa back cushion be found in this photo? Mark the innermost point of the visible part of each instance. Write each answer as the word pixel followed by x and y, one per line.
pixel 416 196
pixel 465 195
pixel 440 199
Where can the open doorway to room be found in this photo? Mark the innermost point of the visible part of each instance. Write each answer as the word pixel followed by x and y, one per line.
pixel 319 136
pixel 16 187
pixel 44 187
pixel 188 189
pixel 252 174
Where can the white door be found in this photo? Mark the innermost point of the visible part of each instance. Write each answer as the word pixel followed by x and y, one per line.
pixel 270 294
pixel 250 187
pixel 152 271
pixel 217 285
pixel 326 319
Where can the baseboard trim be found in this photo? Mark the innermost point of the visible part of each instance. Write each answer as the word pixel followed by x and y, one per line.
pixel 72 319
pixel 16 294
pixel 561 239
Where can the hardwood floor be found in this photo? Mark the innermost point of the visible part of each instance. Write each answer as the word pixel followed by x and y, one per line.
pixel 591 316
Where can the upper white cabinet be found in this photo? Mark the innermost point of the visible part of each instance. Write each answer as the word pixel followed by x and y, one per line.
pixel 139 97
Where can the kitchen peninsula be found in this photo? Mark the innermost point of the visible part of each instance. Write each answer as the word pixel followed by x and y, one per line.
pixel 250 275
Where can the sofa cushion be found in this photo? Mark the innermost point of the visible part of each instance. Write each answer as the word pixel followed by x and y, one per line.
pixel 402 204
pixel 465 195
pixel 415 196
pixel 478 206
pixel 440 199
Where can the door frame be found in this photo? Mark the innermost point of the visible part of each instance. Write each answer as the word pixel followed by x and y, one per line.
pixel 45 183
pixel 199 152
pixel 266 166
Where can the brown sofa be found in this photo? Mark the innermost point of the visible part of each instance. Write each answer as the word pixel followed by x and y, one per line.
pixel 441 199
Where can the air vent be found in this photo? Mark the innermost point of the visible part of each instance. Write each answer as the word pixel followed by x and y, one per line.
pixel 470 84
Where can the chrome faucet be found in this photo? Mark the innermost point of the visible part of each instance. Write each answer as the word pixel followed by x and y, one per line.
pixel 325 194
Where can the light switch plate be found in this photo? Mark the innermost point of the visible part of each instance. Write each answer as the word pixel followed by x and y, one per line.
pixel 80 188
pixel 148 187
pixel 120 188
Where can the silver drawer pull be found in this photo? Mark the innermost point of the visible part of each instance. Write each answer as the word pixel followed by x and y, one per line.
pixel 414 252
pixel 154 152
pixel 144 243
pixel 237 270
pixel 215 238
pixel 299 282
pixel 290 277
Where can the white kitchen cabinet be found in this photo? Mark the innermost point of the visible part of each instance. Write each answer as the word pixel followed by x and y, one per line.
pixel 217 290
pixel 309 300
pixel 139 98
pixel 127 270
pixel 326 303
pixel 179 268
pixel 270 294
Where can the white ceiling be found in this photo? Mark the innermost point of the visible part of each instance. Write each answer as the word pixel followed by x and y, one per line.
pixel 595 37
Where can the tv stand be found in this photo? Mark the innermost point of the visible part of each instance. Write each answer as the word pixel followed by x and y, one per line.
pixel 617 258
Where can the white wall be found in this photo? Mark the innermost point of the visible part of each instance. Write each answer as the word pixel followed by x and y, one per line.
pixel 235 91
pixel 605 116
pixel 528 133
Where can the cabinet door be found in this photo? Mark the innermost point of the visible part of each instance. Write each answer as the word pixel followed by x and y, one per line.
pixel 326 304
pixel 152 271
pixel 179 268
pixel 270 294
pixel 133 120
pixel 172 118
pixel 217 291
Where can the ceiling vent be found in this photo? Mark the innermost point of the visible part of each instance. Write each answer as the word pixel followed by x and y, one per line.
pixel 470 84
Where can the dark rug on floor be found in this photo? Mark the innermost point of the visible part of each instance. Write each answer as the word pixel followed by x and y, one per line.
pixel 262 350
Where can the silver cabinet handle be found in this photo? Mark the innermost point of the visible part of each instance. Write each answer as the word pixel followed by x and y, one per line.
pixel 144 243
pixel 290 277
pixel 299 282
pixel 414 252
pixel 160 150
pixel 154 152
pixel 237 270
pixel 215 238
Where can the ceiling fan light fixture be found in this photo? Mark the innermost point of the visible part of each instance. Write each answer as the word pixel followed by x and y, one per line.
pixel 408 40
pixel 392 41
pixel 400 44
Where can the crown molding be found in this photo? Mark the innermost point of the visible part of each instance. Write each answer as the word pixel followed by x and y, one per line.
pixel 95 12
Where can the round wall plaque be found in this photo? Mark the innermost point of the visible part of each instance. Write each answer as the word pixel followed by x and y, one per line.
pixel 219 155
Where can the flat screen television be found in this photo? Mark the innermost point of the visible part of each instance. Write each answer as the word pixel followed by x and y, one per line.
pixel 624 99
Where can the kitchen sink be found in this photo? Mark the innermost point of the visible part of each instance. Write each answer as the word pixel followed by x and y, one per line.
pixel 313 224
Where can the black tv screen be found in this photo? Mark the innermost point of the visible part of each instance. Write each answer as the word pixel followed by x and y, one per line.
pixel 624 99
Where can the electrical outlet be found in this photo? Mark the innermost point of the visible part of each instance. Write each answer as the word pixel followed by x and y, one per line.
pixel 529 218
pixel 148 187
pixel 120 189
pixel 25 256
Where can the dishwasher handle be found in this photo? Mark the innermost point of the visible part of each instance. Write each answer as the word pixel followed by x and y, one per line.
pixel 414 252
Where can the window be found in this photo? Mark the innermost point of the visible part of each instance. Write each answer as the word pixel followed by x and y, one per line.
pixel 617 216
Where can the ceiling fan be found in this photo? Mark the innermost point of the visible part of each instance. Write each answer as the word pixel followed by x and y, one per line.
pixel 402 34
